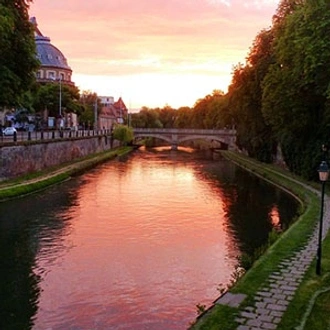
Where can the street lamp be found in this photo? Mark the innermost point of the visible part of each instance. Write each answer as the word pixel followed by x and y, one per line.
pixel 60 101
pixel 323 176
pixel 95 113
pixel 60 95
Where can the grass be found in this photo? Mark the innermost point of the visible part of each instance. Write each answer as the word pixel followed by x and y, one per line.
pixel 38 181
pixel 220 317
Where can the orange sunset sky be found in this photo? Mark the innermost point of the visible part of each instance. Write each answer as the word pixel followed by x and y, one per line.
pixel 153 52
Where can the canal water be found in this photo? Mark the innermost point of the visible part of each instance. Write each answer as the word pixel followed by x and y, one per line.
pixel 135 243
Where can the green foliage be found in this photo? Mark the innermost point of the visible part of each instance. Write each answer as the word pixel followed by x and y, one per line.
pixel 167 117
pixel 182 118
pixel 281 96
pixel 47 96
pixel 87 108
pixel 245 92
pixel 123 134
pixel 147 118
pixel 295 100
pixel 18 62
pixel 210 112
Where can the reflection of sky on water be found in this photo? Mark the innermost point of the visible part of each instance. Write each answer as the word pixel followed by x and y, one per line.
pixel 135 243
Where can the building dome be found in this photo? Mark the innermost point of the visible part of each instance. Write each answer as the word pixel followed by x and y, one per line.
pixel 49 55
pixel 53 64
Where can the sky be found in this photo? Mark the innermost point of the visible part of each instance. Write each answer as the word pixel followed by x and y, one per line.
pixel 153 53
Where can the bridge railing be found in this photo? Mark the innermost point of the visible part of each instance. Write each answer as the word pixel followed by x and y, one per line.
pixel 23 136
pixel 185 131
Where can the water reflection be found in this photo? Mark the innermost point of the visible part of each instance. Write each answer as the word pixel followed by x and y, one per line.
pixel 28 230
pixel 133 244
pixel 250 227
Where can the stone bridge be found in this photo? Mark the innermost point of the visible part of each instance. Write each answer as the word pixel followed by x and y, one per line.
pixel 175 136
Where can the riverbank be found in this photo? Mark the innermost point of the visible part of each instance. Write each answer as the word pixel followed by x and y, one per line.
pixel 38 181
pixel 281 290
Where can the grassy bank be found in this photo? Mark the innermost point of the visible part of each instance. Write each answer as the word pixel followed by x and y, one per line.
pixel 40 180
pixel 223 317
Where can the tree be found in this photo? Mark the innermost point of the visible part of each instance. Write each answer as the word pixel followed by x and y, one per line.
pixel 210 112
pixel 183 118
pixel 296 89
pixel 254 134
pixel 147 118
pixel 167 116
pixel 87 108
pixel 18 61
pixel 47 97
pixel 123 134
pixel 286 8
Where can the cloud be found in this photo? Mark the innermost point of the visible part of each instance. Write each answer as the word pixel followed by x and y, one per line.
pixel 124 37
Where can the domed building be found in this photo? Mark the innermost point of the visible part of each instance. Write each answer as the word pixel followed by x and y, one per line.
pixel 54 65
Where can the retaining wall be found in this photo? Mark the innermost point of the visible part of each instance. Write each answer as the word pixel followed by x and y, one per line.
pixel 23 158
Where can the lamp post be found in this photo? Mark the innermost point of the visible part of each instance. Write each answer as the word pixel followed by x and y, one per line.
pixel 323 176
pixel 60 101
pixel 95 114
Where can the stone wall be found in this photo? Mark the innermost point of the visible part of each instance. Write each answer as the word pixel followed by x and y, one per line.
pixel 20 159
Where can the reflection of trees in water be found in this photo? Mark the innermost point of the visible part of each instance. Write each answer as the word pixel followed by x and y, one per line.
pixel 253 206
pixel 256 209
pixel 21 239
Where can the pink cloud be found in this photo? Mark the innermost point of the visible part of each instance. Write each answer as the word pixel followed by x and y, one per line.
pixel 127 37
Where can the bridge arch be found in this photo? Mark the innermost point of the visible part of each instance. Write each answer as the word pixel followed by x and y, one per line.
pixel 207 137
pixel 158 136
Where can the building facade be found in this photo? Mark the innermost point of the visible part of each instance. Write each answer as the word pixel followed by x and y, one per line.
pixel 112 113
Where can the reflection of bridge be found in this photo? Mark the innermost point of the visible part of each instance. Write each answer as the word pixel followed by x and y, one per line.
pixel 175 136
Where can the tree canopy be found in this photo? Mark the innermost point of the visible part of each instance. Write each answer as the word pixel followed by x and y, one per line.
pixel 295 99
pixel 208 112
pixel 18 61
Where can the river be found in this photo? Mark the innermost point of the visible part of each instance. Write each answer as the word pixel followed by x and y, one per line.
pixel 135 243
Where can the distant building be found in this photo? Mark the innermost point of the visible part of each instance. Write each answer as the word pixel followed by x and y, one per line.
pixel 53 64
pixel 53 68
pixel 111 113
pixel 106 100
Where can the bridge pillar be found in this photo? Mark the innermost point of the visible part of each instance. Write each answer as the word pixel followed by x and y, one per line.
pixel 174 143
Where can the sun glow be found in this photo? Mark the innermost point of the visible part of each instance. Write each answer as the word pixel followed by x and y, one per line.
pixel 153 53
pixel 174 90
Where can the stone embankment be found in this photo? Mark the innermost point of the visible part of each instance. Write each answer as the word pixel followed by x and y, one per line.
pixel 23 158
pixel 41 180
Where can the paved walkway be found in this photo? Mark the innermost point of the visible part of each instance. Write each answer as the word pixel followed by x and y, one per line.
pixel 272 300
